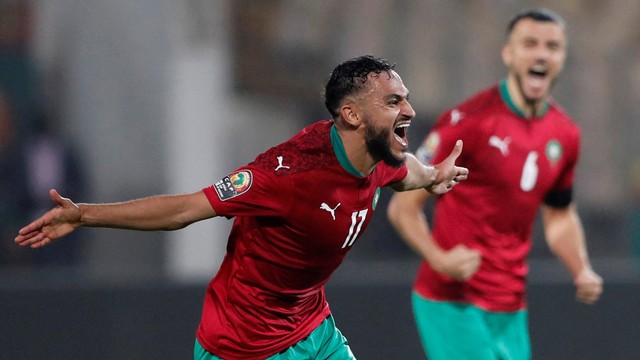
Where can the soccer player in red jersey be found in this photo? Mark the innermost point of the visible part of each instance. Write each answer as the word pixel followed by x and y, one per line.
pixel 521 149
pixel 298 208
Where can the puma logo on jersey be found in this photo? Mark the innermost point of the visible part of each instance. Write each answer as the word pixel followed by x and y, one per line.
pixel 326 207
pixel 500 144
pixel 280 166
pixel 456 116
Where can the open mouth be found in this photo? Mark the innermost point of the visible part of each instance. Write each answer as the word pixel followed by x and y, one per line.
pixel 400 133
pixel 536 82
pixel 538 71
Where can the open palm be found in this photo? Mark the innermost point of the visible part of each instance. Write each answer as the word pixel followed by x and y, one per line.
pixel 54 224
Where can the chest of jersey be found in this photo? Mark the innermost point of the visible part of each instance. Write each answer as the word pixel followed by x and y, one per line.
pixel 523 157
pixel 312 238
pixel 331 219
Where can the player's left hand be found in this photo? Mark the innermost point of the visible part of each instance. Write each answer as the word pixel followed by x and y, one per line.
pixel 588 286
pixel 449 175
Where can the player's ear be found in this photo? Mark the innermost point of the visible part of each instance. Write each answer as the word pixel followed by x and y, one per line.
pixel 506 54
pixel 350 115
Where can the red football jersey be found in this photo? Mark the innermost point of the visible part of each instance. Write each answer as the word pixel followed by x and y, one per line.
pixel 513 163
pixel 298 208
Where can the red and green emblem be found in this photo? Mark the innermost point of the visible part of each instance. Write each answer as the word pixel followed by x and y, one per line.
pixel 233 185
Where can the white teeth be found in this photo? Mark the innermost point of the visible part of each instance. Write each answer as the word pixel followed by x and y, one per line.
pixel 402 126
pixel 539 69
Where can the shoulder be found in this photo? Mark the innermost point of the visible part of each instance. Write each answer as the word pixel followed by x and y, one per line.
pixel 562 125
pixel 474 108
pixel 308 149
pixel 471 121
pixel 561 117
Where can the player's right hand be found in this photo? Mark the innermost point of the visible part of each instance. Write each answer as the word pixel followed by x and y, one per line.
pixel 588 286
pixel 54 224
pixel 459 263
pixel 449 175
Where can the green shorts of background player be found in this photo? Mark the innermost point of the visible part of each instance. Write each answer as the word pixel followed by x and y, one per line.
pixel 459 331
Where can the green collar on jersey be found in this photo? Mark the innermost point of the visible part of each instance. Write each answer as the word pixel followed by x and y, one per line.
pixel 341 154
pixel 504 92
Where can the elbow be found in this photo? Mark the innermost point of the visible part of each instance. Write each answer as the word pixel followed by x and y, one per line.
pixel 177 224
pixel 169 227
pixel 407 204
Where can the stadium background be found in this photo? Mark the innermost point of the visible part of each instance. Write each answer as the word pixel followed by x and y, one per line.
pixel 161 96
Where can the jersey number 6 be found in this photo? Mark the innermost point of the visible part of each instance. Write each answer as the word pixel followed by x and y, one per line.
pixel 529 172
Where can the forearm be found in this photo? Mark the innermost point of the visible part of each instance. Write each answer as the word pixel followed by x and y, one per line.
pixel 166 212
pixel 405 212
pixel 565 236
pixel 417 236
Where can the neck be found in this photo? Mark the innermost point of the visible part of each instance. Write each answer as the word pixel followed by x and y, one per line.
pixel 529 109
pixel 355 149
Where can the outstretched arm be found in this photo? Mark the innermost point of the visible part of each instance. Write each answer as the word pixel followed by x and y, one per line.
pixel 165 212
pixel 565 236
pixel 437 179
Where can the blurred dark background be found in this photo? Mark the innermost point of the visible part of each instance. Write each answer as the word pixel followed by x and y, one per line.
pixel 112 100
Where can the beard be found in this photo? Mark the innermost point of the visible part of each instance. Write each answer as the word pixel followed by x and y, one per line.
pixel 532 101
pixel 528 101
pixel 379 146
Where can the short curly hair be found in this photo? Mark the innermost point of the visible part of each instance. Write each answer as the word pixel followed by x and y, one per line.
pixel 350 77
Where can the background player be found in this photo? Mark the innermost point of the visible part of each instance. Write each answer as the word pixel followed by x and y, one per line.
pixel 469 294
pixel 298 208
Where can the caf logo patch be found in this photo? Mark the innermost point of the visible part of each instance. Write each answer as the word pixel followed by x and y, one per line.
pixel 233 185
pixel 427 150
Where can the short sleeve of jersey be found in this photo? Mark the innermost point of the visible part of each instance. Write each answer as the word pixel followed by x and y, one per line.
pixel 572 153
pixel 250 191
pixel 391 175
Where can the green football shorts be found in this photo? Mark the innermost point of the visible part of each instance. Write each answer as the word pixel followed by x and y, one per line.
pixel 325 342
pixel 457 331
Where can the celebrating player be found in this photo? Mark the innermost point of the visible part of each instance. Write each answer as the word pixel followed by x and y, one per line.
pixel 522 149
pixel 298 208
